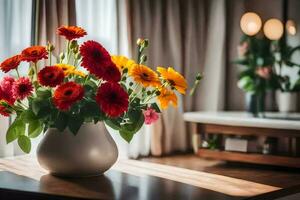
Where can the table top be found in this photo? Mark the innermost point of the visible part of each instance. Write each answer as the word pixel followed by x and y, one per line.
pixel 128 179
pixel 290 121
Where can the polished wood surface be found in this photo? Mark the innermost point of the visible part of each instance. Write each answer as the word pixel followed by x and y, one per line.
pixel 268 175
pixel 250 157
pixel 129 179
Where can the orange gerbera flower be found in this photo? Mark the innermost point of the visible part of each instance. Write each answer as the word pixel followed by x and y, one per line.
pixel 71 32
pixel 144 75
pixel 68 69
pixel 167 96
pixel 10 63
pixel 175 79
pixel 122 62
pixel 34 54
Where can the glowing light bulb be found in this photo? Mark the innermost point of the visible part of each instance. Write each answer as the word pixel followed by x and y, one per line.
pixel 273 29
pixel 250 23
pixel 291 27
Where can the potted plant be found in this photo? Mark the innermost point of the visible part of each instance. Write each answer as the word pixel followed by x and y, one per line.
pixel 69 99
pixel 286 94
pixel 257 75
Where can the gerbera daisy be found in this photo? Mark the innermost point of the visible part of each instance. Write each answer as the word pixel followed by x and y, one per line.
pixel 22 88
pixel 175 79
pixel 94 57
pixel 4 112
pixel 71 32
pixel 6 93
pixel 10 63
pixel 51 76
pixel 112 99
pixel 111 73
pixel 167 96
pixel 68 69
pixel 34 54
pixel 122 62
pixel 144 75
pixel 79 73
pixel 67 94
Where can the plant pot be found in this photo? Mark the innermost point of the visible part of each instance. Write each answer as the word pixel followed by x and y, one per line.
pixel 286 101
pixel 91 152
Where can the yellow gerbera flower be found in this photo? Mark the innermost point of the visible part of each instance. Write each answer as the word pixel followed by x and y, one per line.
pixel 167 96
pixel 122 62
pixel 79 73
pixel 175 79
pixel 144 75
pixel 68 69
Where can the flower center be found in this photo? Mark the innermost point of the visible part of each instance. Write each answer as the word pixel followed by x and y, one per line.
pixel 22 88
pixel 68 92
pixel 50 76
pixel 171 82
pixel 145 76
pixel 34 52
pixel 97 55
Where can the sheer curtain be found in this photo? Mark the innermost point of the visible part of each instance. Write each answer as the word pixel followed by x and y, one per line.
pixel 15 35
pixel 106 22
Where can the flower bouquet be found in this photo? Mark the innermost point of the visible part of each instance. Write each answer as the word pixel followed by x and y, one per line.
pixel 85 84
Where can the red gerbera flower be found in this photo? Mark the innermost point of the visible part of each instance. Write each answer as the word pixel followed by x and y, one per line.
pixel 4 112
pixel 94 57
pixel 71 32
pixel 34 54
pixel 112 99
pixel 111 73
pixel 51 76
pixel 6 93
pixel 67 94
pixel 10 63
pixel 22 88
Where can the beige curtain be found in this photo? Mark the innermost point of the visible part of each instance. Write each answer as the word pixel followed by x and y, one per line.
pixel 50 14
pixel 190 36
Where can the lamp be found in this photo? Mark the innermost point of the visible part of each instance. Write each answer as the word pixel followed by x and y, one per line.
pixel 290 27
pixel 250 23
pixel 273 29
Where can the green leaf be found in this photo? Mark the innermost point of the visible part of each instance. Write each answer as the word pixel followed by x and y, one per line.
pixel 126 135
pixel 16 129
pixel 74 123
pixel 35 128
pixel 24 143
pixel 43 93
pixel 113 123
pixel 41 107
pixel 155 107
pixel 27 116
pixel 61 121
pixel 246 83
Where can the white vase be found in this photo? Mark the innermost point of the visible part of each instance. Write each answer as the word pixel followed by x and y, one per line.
pixel 91 152
pixel 286 101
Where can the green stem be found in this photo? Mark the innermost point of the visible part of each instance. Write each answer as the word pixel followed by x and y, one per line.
pixel 36 70
pixel 18 72
pixel 50 56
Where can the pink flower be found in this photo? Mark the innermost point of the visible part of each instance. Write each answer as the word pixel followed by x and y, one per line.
pixel 6 93
pixel 150 116
pixel 242 49
pixel 264 72
pixel 22 88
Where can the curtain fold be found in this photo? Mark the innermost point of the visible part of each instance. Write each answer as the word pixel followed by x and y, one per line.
pixel 189 36
pixel 51 14
pixel 15 35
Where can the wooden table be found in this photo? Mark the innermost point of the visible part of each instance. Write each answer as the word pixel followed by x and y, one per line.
pixel 23 178
pixel 244 124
